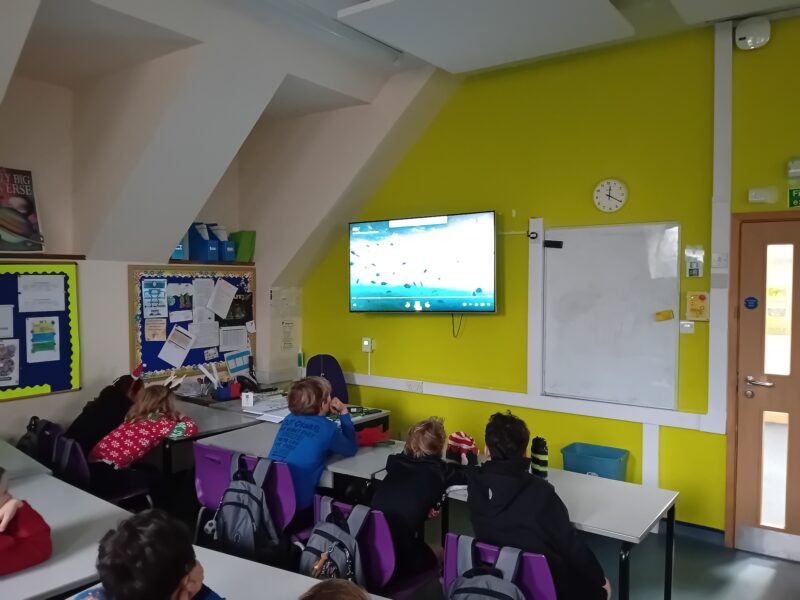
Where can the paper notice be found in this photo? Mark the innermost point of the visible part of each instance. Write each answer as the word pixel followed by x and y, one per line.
pixel 251 326
pixel 154 298
pixel 203 288
pixel 221 298
pixel 42 339
pixel 6 320
pixel 232 338
pixel 287 335
pixel 155 330
pixel 180 316
pixel 276 416
pixel 206 334
pixel 202 315
pixel 210 354
pixel 9 363
pixel 177 346
pixel 41 293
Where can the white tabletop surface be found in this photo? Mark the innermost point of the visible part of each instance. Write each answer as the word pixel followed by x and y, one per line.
pixel 615 509
pixel 367 461
pixel 209 420
pixel 77 521
pixel 18 464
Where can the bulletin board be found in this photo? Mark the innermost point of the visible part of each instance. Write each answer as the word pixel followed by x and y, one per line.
pixel 39 339
pixel 154 316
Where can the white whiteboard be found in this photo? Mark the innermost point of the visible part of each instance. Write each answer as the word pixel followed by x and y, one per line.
pixel 601 293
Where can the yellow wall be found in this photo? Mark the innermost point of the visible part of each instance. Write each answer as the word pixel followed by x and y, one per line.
pixel 533 142
pixel 766 119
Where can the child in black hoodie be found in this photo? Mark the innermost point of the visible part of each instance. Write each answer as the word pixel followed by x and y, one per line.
pixel 511 507
pixel 415 482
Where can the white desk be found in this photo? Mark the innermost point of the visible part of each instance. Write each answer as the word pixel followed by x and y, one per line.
pixel 366 463
pixel 18 464
pixel 77 521
pixel 615 509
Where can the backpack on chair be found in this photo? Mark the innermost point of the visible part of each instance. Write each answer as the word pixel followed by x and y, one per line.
pixel 479 582
pixel 242 525
pixel 39 440
pixel 332 550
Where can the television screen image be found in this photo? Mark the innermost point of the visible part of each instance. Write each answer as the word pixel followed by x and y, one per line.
pixel 427 264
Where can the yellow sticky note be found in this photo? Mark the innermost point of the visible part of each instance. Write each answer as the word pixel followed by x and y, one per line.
pixel 664 315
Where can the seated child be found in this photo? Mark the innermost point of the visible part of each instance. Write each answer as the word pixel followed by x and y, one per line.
pixel 149 557
pixel 106 412
pixel 415 482
pixel 509 506
pixel 335 589
pixel 24 535
pixel 306 437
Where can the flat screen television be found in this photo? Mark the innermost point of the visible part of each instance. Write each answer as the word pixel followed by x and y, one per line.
pixel 443 263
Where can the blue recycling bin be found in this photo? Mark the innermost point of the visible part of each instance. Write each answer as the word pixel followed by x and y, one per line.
pixel 592 459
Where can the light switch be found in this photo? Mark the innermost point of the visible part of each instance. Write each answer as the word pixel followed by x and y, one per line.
pixel 687 327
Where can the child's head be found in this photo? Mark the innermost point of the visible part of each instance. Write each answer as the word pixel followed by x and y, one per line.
pixel 308 397
pixel 153 398
pixel 335 589
pixel 425 438
pixel 507 436
pixel 149 555
pixel 327 392
pixel 128 386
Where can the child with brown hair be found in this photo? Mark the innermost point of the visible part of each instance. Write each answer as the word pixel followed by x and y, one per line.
pixel 151 419
pixel 306 436
pixel 415 483
pixel 335 589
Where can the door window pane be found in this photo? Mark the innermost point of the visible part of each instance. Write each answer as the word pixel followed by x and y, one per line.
pixel 778 334
pixel 774 458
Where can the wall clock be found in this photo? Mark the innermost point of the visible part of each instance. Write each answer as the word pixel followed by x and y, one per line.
pixel 610 195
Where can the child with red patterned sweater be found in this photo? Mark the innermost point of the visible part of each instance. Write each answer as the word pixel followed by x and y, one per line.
pixel 151 419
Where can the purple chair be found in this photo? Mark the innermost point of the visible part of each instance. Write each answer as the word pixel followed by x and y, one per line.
pixel 377 556
pixel 533 576
pixel 212 474
pixel 69 464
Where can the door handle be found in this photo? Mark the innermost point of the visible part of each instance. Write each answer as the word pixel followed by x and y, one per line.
pixel 753 381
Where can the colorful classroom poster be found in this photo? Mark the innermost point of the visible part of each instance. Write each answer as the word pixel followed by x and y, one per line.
pixel 154 298
pixel 41 336
pixel 9 363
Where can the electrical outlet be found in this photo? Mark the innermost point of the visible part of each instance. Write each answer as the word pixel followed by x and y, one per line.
pixel 366 344
pixel 719 260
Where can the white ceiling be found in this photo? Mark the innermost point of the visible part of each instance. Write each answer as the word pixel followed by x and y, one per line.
pixel 74 40
pixel 467 35
pixel 701 11
pixel 297 97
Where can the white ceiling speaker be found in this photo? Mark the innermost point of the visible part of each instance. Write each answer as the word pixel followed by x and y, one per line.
pixel 752 33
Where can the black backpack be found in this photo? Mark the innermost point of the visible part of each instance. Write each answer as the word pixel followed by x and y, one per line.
pixel 39 440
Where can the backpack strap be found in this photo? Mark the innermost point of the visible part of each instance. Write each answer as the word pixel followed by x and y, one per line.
pixel 237 456
pixel 357 518
pixel 261 471
pixel 67 452
pixel 464 558
pixel 508 563
pixel 325 507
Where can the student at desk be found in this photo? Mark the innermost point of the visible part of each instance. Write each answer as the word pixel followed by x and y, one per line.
pixel 306 436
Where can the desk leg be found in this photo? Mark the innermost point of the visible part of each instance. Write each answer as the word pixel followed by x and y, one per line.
pixel 625 571
pixel 670 553
pixel 445 517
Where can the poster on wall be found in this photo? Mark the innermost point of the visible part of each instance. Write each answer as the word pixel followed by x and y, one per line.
pixel 9 363
pixel 19 220
pixel 41 336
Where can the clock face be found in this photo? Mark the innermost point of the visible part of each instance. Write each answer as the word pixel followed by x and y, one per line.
pixel 610 195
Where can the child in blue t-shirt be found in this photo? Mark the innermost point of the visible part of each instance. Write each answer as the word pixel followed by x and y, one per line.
pixel 307 436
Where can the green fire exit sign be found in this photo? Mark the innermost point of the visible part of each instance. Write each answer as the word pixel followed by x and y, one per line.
pixel 794 197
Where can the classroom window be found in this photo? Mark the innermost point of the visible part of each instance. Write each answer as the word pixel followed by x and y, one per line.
pixel 774 461
pixel 778 321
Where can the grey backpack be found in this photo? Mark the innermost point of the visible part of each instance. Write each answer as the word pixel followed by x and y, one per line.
pixel 332 550
pixel 242 525
pixel 477 582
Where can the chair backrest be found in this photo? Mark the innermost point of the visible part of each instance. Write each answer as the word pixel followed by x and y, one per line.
pixel 213 474
pixel 533 576
pixel 69 462
pixel 325 365
pixel 374 542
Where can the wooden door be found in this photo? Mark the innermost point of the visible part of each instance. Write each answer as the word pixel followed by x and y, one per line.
pixel 768 390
